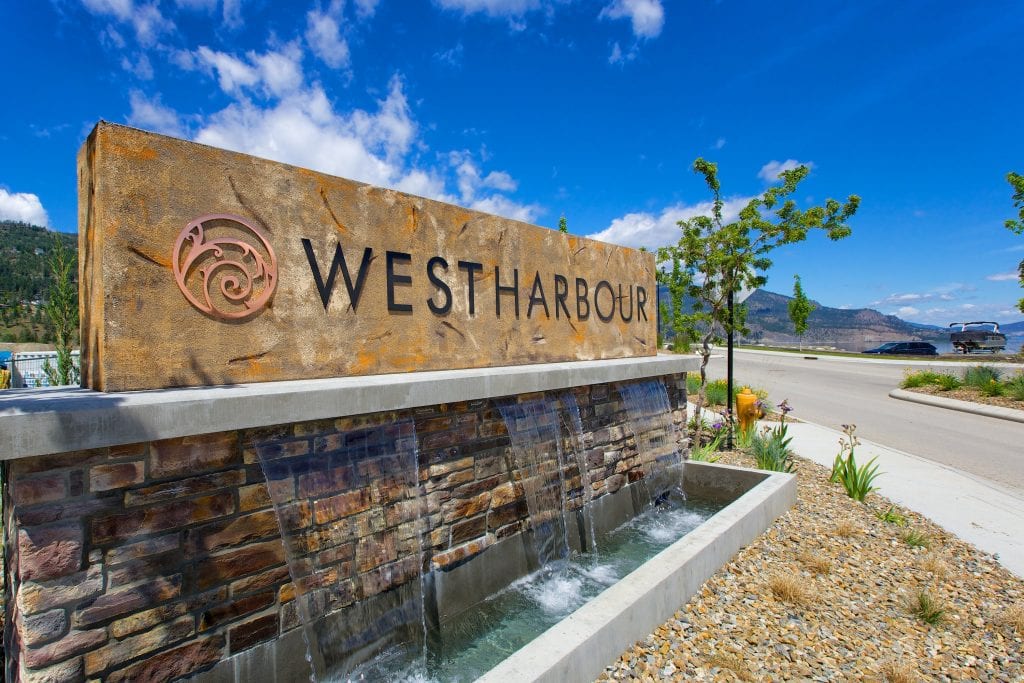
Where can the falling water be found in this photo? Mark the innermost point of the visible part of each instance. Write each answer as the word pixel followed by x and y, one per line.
pixel 573 425
pixel 650 416
pixel 352 520
pixel 535 432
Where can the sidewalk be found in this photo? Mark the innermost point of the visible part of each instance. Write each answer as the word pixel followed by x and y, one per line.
pixel 979 512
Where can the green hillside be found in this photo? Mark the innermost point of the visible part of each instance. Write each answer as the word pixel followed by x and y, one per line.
pixel 25 279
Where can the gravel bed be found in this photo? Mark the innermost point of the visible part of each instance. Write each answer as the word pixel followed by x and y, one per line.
pixel 825 595
pixel 967 394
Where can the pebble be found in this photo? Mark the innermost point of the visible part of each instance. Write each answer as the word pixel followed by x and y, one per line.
pixel 855 623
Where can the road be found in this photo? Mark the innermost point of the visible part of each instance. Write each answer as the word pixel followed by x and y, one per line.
pixel 831 391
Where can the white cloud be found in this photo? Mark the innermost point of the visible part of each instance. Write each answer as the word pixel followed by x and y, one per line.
pixel 646 16
pixel 619 57
pixel 492 8
pixel 233 13
pixel 146 19
pixel 1002 277
pixel 277 73
pixel 324 37
pixel 366 8
pixel 500 180
pixel 151 114
pixel 905 311
pixel 645 229
pixel 141 67
pixel 719 143
pixel 22 206
pixel 770 171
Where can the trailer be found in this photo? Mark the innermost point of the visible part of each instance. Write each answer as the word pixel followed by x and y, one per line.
pixel 969 339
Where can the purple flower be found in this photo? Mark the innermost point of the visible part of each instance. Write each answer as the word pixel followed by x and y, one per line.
pixel 717 426
pixel 784 406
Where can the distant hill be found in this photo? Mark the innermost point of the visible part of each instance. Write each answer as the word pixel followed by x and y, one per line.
pixel 853 329
pixel 25 279
pixel 768 320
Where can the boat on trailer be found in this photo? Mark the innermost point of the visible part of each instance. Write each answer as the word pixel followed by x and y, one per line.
pixel 969 339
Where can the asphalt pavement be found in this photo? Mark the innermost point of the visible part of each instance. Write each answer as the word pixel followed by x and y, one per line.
pixel 835 391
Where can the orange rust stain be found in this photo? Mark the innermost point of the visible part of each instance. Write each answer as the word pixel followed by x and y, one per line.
pixel 364 362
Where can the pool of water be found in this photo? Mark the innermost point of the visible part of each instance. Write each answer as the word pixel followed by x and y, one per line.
pixel 482 637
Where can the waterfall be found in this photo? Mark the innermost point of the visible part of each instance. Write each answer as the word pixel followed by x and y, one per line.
pixel 535 432
pixel 573 426
pixel 650 416
pixel 351 517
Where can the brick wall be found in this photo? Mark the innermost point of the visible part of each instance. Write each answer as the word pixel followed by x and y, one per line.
pixel 154 561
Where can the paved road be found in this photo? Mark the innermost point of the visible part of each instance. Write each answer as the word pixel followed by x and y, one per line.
pixel 834 391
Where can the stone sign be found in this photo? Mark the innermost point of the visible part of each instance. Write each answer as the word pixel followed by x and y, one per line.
pixel 200 266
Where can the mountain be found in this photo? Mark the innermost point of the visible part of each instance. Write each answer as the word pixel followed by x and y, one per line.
pixel 25 279
pixel 768 320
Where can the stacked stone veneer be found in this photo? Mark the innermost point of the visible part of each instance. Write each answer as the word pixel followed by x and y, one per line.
pixel 154 561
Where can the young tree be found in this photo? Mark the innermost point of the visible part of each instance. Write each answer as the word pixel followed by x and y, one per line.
pixel 563 225
pixel 800 307
pixel 675 281
pixel 1017 225
pixel 62 310
pixel 722 257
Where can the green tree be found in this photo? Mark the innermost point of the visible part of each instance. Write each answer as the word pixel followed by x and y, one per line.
pixel 722 257
pixel 563 225
pixel 62 310
pixel 1017 225
pixel 675 281
pixel 800 307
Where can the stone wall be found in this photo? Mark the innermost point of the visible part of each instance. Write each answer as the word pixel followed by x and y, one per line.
pixel 157 560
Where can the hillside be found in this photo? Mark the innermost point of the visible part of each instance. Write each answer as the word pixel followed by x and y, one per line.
pixel 768 320
pixel 25 279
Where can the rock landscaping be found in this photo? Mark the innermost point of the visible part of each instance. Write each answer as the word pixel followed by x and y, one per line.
pixel 839 590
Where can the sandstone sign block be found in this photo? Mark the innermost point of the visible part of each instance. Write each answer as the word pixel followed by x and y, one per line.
pixel 201 266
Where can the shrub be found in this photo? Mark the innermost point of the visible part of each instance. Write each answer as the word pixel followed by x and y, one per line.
pixel 858 481
pixel 1014 388
pixel 926 608
pixel 716 392
pixel 948 382
pixel 993 388
pixel 705 452
pixel 771 450
pixel 692 383
pixel 912 380
pixel 981 376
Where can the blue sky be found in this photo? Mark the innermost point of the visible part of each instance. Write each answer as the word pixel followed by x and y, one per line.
pixel 592 109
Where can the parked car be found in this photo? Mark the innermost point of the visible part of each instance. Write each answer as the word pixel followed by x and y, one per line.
pixel 905 349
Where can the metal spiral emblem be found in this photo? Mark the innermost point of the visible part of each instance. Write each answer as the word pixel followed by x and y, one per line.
pixel 225 266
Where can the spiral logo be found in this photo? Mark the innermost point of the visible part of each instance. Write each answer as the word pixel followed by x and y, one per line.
pixel 225 266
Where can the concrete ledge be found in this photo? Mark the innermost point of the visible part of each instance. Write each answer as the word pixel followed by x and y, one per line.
pixel 580 646
pixel 43 421
pixel 998 412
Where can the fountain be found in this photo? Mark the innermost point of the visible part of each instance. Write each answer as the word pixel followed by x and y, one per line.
pixel 332 431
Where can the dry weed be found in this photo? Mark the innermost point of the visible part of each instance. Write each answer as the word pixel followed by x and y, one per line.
pixel 847 528
pixel 935 565
pixel 1014 617
pixel 819 564
pixel 733 663
pixel 789 588
pixel 894 672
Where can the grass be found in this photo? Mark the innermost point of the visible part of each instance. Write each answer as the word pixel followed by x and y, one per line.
pixel 916 539
pixel 947 382
pixel 1014 388
pixel 935 565
pixel 926 608
pixel 725 660
pixel 1014 617
pixel 891 516
pixel 981 376
pixel 789 588
pixel 847 529
pixel 815 562
pixel 913 380
pixel 895 672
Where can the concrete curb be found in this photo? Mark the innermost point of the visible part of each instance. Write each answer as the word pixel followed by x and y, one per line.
pixel 579 647
pixel 997 412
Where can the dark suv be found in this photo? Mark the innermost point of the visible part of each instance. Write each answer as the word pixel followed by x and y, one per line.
pixel 905 349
